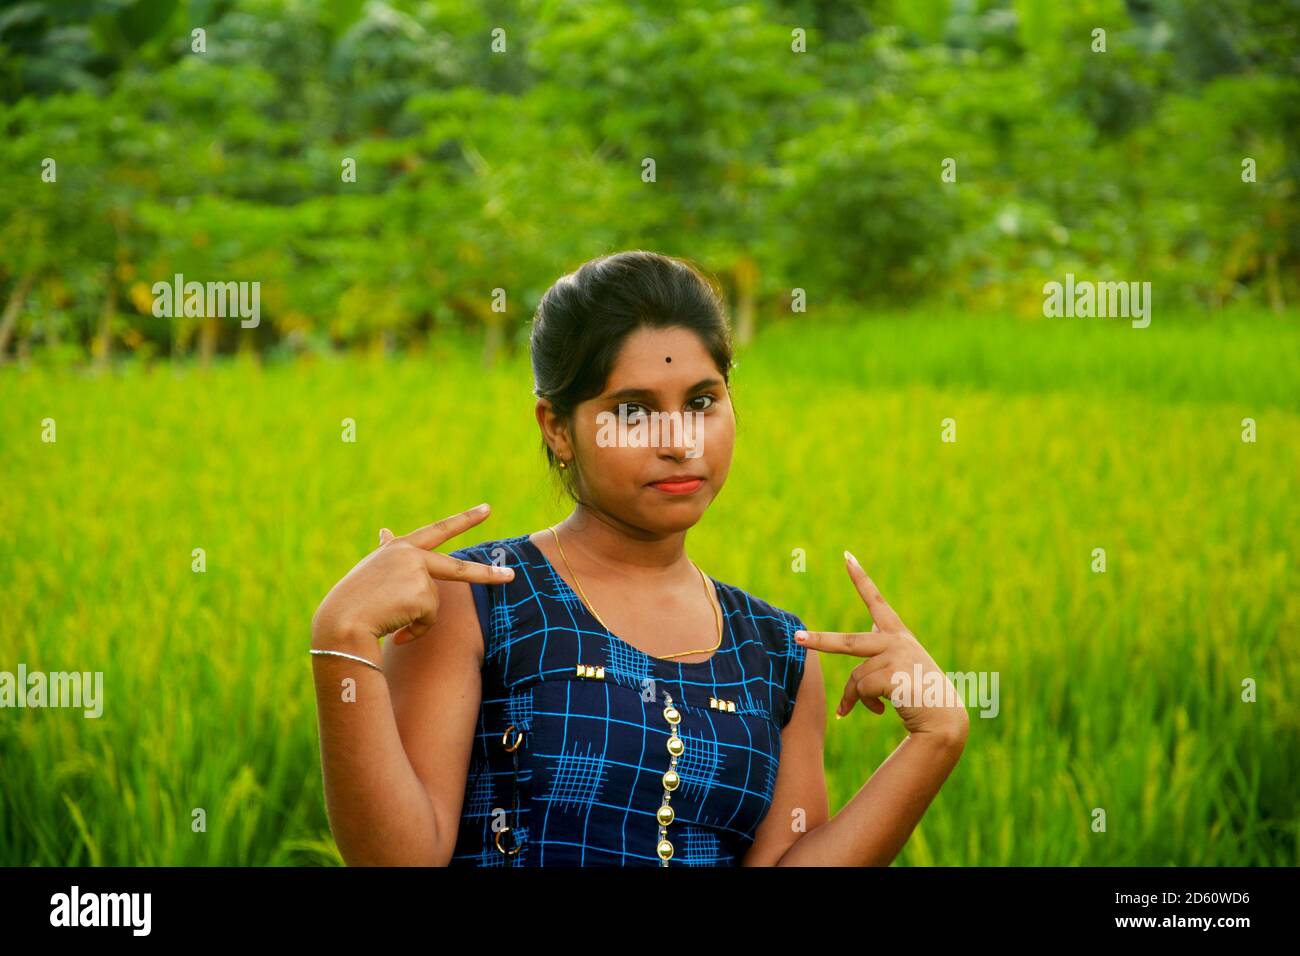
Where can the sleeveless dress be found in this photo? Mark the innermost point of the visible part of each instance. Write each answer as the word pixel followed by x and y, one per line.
pixel 576 760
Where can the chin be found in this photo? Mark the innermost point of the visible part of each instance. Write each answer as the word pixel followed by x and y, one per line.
pixel 677 526
pixel 671 516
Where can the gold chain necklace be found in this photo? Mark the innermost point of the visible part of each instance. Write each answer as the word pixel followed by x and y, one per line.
pixel 578 584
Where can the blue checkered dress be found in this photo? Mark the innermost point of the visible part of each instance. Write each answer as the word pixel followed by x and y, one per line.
pixel 585 781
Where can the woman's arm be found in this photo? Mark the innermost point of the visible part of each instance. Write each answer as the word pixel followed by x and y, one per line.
pixel 395 745
pixel 437 687
pixel 873 826
pixel 379 811
pixel 395 752
pixel 799 803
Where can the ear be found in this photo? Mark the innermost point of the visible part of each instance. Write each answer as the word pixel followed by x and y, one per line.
pixel 554 431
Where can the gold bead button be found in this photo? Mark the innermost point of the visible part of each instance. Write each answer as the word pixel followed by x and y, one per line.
pixel 672 715
pixel 675 746
pixel 665 815
pixel 665 850
pixel 671 780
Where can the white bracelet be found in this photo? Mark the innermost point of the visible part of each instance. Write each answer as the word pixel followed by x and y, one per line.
pixel 351 657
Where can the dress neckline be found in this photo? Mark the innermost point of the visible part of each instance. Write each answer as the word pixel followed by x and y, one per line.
pixel 570 592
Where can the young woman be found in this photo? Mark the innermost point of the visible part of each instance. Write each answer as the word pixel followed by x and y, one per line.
pixel 585 694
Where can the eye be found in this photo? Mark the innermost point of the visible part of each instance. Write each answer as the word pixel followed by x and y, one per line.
pixel 624 410
pixel 712 401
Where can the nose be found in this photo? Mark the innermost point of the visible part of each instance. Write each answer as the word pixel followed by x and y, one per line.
pixel 682 436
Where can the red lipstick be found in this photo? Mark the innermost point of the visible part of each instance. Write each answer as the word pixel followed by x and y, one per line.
pixel 678 484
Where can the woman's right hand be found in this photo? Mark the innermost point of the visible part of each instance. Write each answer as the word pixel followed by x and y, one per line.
pixel 392 589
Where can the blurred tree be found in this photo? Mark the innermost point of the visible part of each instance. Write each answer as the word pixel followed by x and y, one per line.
pixel 383 167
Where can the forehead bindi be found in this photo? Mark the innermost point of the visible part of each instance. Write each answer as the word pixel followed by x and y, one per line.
pixel 667 361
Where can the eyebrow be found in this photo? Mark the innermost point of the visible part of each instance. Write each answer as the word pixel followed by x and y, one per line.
pixel 651 393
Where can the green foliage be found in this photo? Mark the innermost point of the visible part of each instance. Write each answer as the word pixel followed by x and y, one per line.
pixel 479 170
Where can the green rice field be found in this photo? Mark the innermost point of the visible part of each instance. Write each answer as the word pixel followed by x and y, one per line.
pixel 1120 690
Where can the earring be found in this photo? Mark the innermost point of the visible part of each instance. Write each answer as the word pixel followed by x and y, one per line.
pixel 563 463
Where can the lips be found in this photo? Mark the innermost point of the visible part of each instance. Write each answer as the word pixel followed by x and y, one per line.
pixel 678 484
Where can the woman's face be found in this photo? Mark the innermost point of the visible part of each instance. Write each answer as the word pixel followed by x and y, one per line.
pixel 657 371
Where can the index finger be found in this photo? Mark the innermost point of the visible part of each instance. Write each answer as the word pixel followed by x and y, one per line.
pixel 447 568
pixel 880 610
pixel 432 535
pixel 837 642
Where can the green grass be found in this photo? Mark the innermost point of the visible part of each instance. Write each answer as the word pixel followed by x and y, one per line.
pixel 1119 691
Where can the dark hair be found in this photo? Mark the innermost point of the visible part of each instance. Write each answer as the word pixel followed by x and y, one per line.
pixel 583 319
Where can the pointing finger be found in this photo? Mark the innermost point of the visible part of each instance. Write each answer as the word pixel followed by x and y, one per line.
pixel 447 568
pixel 860 644
pixel 880 610
pixel 432 535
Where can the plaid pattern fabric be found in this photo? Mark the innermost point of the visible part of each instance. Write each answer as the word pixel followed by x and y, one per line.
pixel 594 751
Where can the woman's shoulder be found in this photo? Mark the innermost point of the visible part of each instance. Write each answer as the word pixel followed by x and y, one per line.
pixel 757 607
pixel 776 623
pixel 498 551
pixel 509 606
pixel 773 626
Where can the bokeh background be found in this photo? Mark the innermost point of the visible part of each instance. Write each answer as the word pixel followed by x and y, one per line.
pixel 795 146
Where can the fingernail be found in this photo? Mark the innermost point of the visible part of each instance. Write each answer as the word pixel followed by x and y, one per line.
pixel 838 715
pixel 482 507
pixel 848 556
pixel 801 636
pixel 506 571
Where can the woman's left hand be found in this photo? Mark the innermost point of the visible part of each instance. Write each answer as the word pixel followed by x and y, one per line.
pixel 895 659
